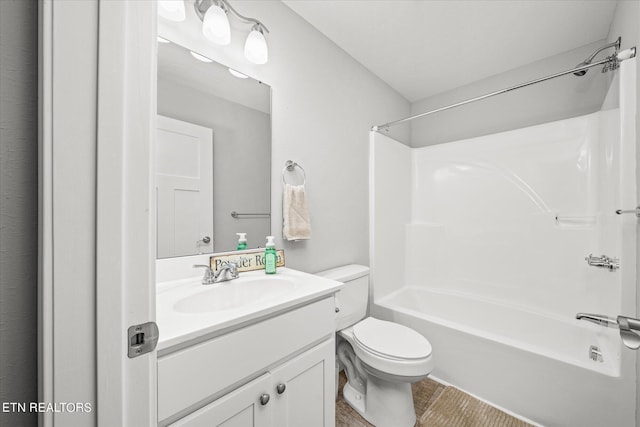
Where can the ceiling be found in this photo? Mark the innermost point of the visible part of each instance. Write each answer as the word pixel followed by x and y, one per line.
pixel 425 47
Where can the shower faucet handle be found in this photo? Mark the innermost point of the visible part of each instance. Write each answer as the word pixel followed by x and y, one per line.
pixel 603 261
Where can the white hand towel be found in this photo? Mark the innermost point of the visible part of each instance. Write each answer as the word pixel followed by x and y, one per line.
pixel 295 214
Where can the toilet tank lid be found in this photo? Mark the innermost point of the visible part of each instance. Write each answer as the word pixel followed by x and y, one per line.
pixel 345 273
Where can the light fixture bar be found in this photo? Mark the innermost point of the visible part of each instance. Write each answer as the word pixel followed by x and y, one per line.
pixel 244 18
pixel 201 7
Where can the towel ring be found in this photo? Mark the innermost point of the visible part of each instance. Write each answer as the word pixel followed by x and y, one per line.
pixel 289 166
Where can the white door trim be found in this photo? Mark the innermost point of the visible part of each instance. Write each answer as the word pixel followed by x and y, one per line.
pixel 125 214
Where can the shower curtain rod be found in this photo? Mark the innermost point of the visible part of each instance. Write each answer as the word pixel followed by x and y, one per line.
pixel 615 58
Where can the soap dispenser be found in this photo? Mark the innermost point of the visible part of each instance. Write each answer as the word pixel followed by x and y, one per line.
pixel 242 241
pixel 270 256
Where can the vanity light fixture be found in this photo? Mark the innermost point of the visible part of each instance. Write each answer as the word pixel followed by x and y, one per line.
pixel 173 10
pixel 199 57
pixel 215 27
pixel 238 74
pixel 255 48
pixel 215 24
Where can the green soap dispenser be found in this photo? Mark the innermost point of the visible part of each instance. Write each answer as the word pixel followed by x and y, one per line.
pixel 270 256
pixel 242 241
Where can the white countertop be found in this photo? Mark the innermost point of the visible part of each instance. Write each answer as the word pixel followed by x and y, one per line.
pixel 177 327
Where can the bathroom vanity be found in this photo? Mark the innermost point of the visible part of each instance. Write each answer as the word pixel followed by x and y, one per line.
pixel 262 354
pixel 258 350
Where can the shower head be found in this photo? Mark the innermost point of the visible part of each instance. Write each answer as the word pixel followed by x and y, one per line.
pixel 581 72
pixel 587 61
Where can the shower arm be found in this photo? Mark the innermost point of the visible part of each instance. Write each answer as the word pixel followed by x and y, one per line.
pixel 593 55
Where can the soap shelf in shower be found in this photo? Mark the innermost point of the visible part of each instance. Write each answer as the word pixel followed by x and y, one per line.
pixel 575 221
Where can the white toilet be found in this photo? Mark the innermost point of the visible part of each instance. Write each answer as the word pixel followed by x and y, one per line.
pixel 381 358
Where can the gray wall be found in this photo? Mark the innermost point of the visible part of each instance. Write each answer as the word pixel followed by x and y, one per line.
pixel 323 105
pixel 556 99
pixel 18 206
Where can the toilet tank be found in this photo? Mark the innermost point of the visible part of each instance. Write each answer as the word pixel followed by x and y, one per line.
pixel 353 298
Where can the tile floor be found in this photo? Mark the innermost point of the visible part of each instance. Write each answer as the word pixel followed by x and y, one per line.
pixel 436 405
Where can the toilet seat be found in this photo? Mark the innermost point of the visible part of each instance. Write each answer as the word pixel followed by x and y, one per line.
pixel 391 340
pixel 390 348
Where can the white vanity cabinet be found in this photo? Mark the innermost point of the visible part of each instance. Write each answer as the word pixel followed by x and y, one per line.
pixel 297 393
pixel 241 407
pixel 305 388
pixel 278 371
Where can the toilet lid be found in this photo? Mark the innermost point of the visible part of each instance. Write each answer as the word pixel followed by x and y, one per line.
pixel 391 339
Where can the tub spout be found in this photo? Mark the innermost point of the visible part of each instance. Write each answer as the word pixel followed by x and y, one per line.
pixel 627 326
pixel 598 319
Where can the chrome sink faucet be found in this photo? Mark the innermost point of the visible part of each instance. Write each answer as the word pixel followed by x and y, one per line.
pixel 228 271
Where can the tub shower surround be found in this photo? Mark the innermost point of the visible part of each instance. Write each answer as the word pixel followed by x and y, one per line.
pixel 495 235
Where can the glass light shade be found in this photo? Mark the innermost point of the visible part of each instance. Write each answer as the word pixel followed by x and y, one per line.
pixel 238 74
pixel 173 10
pixel 255 48
pixel 200 57
pixel 215 25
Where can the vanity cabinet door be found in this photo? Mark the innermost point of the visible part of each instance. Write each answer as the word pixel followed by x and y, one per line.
pixel 244 407
pixel 304 388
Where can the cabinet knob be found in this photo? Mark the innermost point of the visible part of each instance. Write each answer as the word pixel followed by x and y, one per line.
pixel 280 388
pixel 264 399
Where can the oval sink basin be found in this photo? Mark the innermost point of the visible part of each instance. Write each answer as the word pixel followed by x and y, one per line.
pixel 235 294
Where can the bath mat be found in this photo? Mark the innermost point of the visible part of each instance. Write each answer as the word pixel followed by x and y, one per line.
pixel 454 408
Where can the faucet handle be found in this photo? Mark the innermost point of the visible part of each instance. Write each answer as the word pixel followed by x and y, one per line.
pixel 208 273
pixel 233 269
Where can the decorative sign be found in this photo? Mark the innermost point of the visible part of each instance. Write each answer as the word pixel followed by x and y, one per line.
pixel 248 260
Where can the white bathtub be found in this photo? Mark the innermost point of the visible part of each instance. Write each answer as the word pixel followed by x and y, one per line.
pixel 533 364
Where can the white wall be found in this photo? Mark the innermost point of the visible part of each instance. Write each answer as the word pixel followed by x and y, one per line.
pixel 241 159
pixel 323 106
pixel 18 207
pixel 556 99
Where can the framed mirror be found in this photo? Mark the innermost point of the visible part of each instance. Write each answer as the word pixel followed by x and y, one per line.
pixel 213 155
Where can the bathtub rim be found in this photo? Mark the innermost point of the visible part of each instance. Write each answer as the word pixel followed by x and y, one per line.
pixel 613 370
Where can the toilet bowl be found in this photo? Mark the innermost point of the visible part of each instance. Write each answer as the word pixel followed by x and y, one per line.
pixel 381 358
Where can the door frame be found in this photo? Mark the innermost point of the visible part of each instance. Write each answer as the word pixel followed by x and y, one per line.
pixel 97 67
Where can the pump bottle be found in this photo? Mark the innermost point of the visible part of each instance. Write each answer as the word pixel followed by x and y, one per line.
pixel 242 241
pixel 270 256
